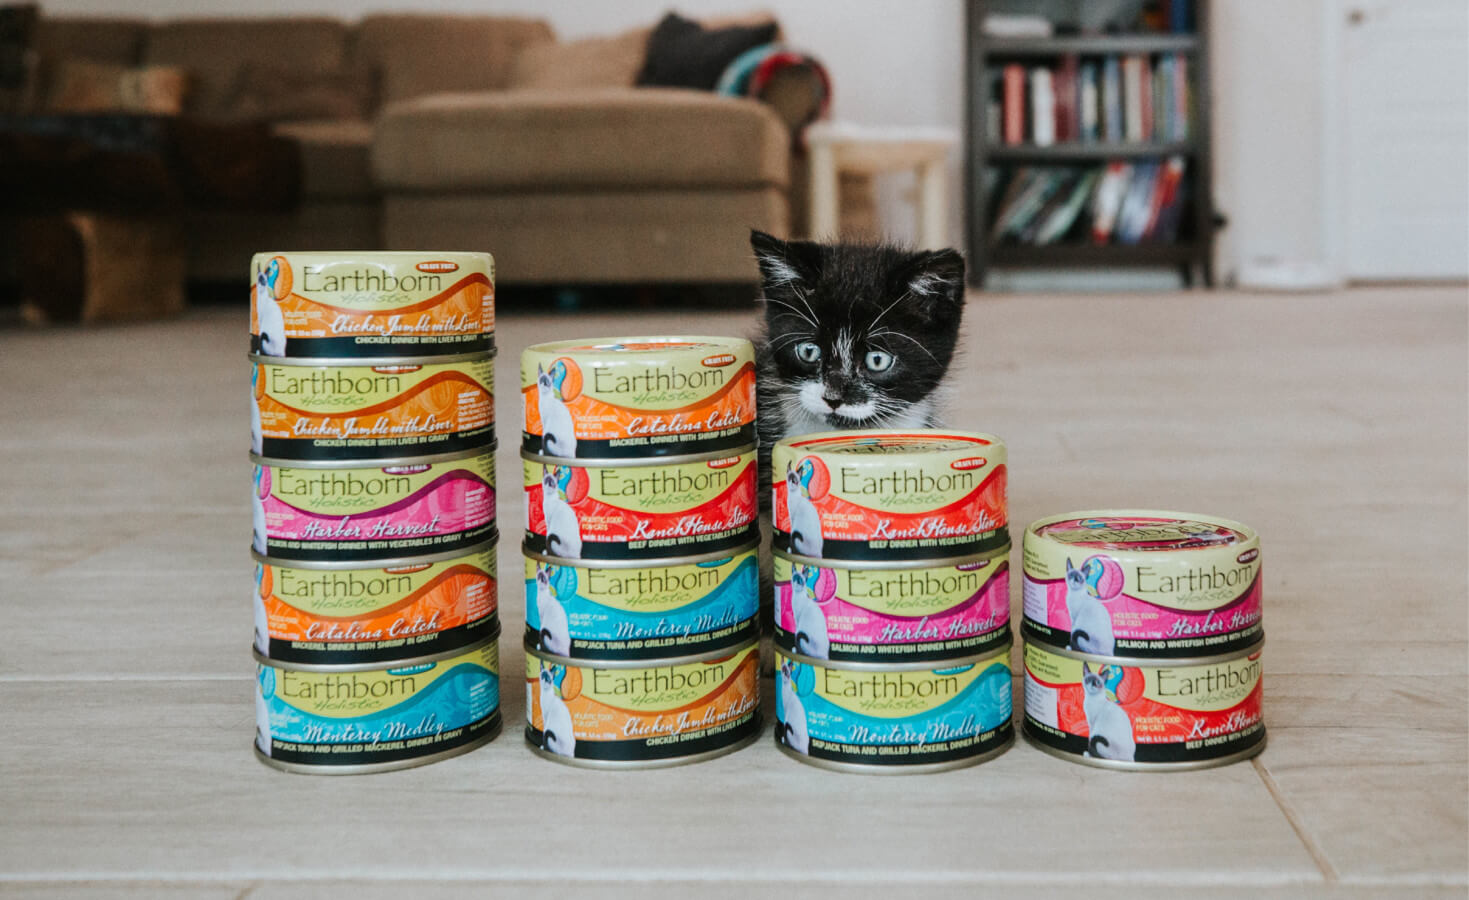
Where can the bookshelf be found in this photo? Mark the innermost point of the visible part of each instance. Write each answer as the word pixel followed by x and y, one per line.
pixel 1185 241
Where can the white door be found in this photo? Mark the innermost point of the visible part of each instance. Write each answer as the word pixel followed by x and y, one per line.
pixel 1404 101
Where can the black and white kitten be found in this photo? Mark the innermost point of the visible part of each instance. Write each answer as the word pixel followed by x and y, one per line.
pixel 856 336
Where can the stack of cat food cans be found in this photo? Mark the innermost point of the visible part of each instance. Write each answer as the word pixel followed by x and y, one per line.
pixel 1143 639
pixel 641 536
pixel 372 437
pixel 892 609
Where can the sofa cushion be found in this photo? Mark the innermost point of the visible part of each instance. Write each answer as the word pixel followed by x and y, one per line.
pixel 613 138
pixel 335 158
pixel 591 62
pixel 416 55
pixel 215 51
pixel 683 53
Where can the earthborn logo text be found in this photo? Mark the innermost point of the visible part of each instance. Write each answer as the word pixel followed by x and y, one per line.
pixel 638 585
pixel 334 280
pixel 608 380
pixel 343 692
pixel 1209 687
pixel 893 691
pixel 312 484
pixel 334 590
pixel 286 383
pixel 672 484
pixel 905 585
pixel 902 486
pixel 656 687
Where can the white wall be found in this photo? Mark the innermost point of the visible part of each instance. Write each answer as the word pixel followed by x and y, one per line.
pixel 903 63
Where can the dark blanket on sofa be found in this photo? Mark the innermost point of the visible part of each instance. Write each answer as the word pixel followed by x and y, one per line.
pixel 144 164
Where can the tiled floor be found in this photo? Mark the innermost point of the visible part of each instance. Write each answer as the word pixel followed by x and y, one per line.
pixel 1334 424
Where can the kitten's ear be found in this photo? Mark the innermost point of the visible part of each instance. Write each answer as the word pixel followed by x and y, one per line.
pixel 935 278
pixel 784 263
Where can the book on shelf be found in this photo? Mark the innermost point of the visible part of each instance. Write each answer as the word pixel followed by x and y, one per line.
pixel 1014 104
pixel 1113 203
pixel 1042 107
pixel 1088 121
pixel 1065 215
pixel 1068 124
pixel 1112 100
pixel 1107 200
pixel 1132 98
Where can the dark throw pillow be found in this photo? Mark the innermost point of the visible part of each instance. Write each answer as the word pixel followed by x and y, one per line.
pixel 683 53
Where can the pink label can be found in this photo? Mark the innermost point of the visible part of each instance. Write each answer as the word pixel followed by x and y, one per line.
pixel 910 612
pixel 1142 583
pixel 381 509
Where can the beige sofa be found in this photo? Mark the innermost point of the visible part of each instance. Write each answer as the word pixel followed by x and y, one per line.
pixel 481 132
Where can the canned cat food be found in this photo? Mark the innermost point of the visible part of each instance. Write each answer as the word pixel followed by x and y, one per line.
pixel 641 714
pixel 889 495
pixel 858 612
pixel 893 718
pixel 343 612
pixel 1144 714
pixel 1142 583
pixel 641 610
pixel 355 719
pixel 371 304
pixel 640 509
pixel 384 509
pixel 638 396
pixel 326 409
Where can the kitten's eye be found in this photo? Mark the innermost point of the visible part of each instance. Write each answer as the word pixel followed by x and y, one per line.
pixel 808 352
pixel 879 361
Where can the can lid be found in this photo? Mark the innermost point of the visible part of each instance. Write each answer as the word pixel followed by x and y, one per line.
pixel 665 662
pixel 431 459
pixel 999 551
pixel 637 461
pixel 634 345
pixel 327 668
pixel 638 563
pixel 373 362
pixel 1150 662
pixel 487 546
pixel 891 441
pixel 1140 531
pixel 927 665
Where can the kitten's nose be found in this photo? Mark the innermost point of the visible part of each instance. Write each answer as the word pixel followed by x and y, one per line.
pixel 832 400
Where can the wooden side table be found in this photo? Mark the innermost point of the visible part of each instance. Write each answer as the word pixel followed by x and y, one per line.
pixel 841 148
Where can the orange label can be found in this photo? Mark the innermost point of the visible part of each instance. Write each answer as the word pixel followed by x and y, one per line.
pixel 344 409
pixel 639 714
pixel 618 398
pixel 344 612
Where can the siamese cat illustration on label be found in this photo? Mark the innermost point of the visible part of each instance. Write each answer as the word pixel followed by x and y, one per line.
pixel 556 731
pixel 791 714
pixel 555 634
pixel 810 635
pixel 563 532
pixel 1107 723
pixel 1098 580
pixel 805 520
pixel 558 429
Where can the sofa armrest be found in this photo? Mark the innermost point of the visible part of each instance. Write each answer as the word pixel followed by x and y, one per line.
pixel 613 138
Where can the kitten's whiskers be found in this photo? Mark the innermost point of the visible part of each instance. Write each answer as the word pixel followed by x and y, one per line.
pixel 799 314
pixel 907 337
